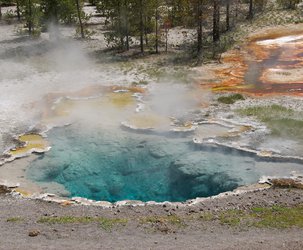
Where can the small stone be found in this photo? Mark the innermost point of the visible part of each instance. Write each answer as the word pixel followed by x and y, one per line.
pixel 33 233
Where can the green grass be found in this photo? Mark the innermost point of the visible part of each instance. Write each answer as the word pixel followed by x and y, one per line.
pixel 66 220
pixel 206 216
pixel 260 217
pixel 231 99
pixel 231 217
pixel 106 224
pixel 164 224
pixel 15 219
pixel 280 120
pixel 171 219
pixel 278 217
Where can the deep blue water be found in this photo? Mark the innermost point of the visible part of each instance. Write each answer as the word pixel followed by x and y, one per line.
pixel 119 165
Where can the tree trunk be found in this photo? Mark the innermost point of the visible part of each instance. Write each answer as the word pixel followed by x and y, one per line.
pixel 18 10
pixel 166 40
pixel 80 19
pixel 126 25
pixel 30 22
pixel 200 26
pixel 120 30
pixel 216 21
pixel 146 31
pixel 227 15
pixel 141 27
pixel 251 10
pixel 0 10
pixel 157 31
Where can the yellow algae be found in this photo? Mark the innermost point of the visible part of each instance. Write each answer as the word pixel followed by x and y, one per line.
pixel 66 203
pixel 265 153
pixel 22 192
pixel 32 141
pixel 63 108
pixel 237 131
pixel 121 99
pixel 148 121
pixel 30 138
pixel 27 148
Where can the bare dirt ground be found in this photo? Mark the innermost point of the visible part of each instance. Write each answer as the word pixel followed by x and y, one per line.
pixel 146 227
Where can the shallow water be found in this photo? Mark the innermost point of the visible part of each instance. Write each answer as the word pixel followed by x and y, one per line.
pixel 118 165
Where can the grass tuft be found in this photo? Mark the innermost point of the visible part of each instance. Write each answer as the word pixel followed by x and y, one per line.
pixel 171 219
pixel 14 219
pixel 231 99
pixel 270 217
pixel 278 217
pixel 106 224
pixel 231 217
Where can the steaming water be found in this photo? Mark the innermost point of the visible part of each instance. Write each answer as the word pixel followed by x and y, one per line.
pixel 116 165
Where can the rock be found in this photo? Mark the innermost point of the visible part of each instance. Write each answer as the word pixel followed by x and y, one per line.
pixel 4 189
pixel 33 233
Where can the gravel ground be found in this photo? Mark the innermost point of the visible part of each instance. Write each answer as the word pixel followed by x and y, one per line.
pixel 194 234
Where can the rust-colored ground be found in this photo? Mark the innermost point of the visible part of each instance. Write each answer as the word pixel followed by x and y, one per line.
pixel 270 63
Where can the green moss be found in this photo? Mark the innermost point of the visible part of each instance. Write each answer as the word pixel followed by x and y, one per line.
pixel 231 99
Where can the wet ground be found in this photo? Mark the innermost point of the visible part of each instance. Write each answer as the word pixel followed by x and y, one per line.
pixel 270 64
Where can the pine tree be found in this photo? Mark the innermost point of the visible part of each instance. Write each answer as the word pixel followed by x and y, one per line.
pixel 0 10
pixel 216 20
pixel 227 15
pixel 250 10
pixel 80 18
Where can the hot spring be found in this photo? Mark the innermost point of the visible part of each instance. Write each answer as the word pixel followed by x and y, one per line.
pixel 113 166
pixel 99 157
